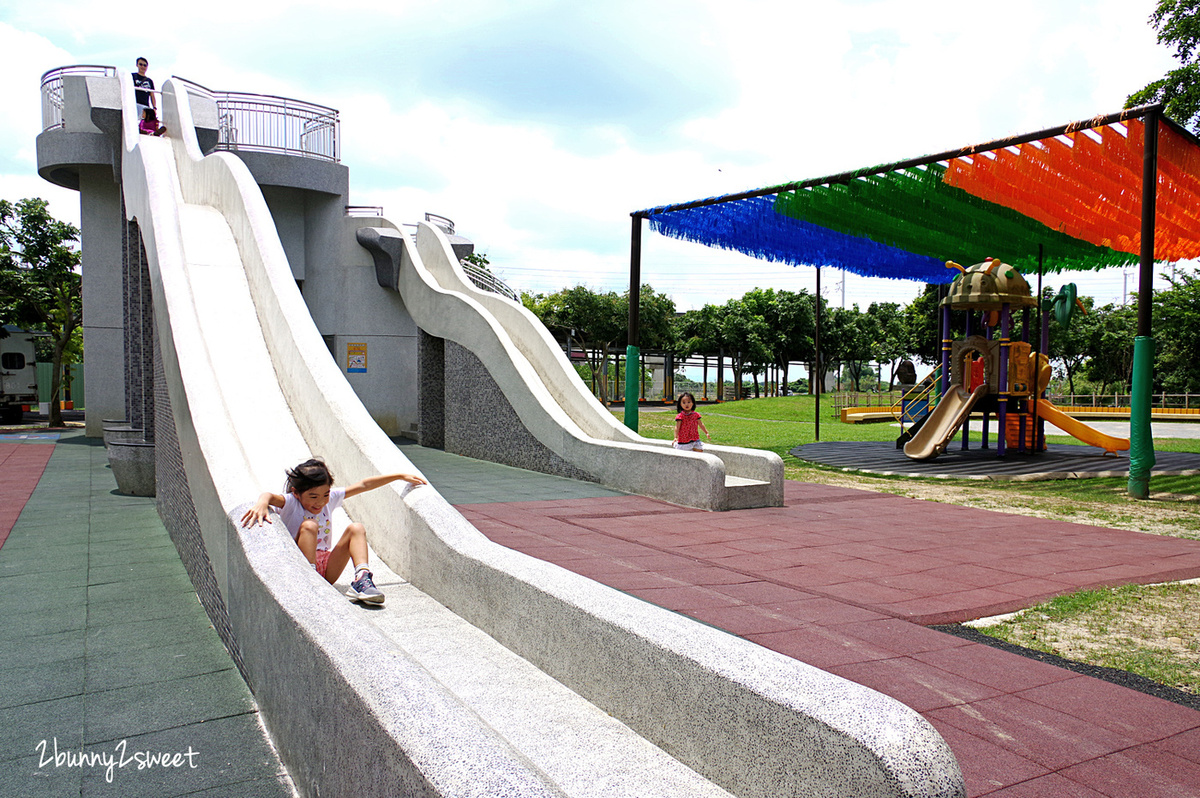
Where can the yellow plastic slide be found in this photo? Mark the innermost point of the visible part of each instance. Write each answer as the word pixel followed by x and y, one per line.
pixel 1078 429
pixel 944 420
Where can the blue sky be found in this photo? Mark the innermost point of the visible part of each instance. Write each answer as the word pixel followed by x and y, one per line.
pixel 539 125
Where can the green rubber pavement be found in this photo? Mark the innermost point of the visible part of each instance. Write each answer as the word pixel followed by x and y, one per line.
pixel 112 680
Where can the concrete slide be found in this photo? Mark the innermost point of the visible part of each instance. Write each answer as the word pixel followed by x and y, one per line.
pixel 547 395
pixel 943 421
pixel 487 672
pixel 1077 429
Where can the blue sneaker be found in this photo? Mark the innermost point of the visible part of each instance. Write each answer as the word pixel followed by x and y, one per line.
pixel 363 589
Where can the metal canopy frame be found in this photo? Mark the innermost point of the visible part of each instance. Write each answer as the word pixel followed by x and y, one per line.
pixel 1142 445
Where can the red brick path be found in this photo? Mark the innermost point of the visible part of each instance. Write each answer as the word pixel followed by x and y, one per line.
pixel 21 466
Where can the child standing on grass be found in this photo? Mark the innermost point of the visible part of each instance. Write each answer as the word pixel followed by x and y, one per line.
pixel 307 512
pixel 686 435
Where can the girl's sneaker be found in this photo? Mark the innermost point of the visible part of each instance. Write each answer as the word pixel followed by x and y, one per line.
pixel 363 589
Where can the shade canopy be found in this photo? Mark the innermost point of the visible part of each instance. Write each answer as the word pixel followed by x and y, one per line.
pixel 1063 199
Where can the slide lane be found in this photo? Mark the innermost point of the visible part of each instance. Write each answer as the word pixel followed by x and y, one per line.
pixel 944 420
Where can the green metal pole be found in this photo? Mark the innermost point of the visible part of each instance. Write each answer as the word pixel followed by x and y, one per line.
pixel 633 366
pixel 1141 437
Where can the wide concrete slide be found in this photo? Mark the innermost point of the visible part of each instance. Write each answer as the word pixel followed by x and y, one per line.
pixel 549 397
pixel 491 673
pixel 944 420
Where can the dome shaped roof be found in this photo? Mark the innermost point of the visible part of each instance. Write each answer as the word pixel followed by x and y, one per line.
pixel 988 286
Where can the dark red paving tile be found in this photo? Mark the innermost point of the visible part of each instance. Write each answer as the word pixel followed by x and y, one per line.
pixel 1146 771
pixel 1005 671
pixel 822 647
pixel 706 575
pixel 986 767
pixel 971 574
pixel 822 611
pixel 805 576
pixel 902 637
pixel 683 598
pixel 866 593
pixel 635 580
pixel 1186 745
pixel 1052 785
pixel 1140 717
pixel 758 592
pixel 914 683
pixel 955 607
pixel 1032 731
pixel 746 620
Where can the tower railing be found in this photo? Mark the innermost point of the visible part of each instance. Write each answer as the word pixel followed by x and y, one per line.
pixel 52 90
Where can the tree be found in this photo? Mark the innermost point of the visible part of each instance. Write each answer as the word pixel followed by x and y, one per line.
pixel 597 322
pixel 1177 335
pixel 40 286
pixel 891 339
pixel 1111 347
pixel 1179 90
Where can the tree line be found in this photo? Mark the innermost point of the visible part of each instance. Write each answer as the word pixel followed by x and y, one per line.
pixel 768 328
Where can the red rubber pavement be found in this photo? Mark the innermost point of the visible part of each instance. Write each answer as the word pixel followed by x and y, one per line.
pixel 21 466
pixel 846 580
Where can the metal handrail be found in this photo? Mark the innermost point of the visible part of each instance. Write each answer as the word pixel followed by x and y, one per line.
pixel 446 225
pixel 52 90
pixel 266 123
pixel 922 390
pixel 486 281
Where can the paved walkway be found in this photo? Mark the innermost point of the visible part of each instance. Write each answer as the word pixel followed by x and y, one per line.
pixel 106 651
pixel 847 580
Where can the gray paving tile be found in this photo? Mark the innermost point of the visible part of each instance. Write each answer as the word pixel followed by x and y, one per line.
pixel 142 633
pixel 229 758
pixel 145 608
pixel 38 582
pixel 43 648
pixel 161 552
pixel 37 681
pixel 148 586
pixel 28 724
pixel 113 714
pixel 44 592
pixel 44 620
pixel 133 666
pixel 37 777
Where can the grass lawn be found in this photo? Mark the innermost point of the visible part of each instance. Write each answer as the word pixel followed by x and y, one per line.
pixel 1096 627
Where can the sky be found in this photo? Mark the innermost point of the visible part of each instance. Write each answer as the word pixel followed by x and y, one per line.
pixel 538 126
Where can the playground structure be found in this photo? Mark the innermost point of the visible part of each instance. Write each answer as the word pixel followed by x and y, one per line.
pixel 993 375
pixel 491 673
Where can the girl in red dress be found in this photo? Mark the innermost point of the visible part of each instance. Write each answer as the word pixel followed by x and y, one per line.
pixel 686 435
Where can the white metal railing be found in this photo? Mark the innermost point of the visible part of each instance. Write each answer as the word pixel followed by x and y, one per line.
pixel 265 123
pixel 52 90
pixel 372 211
pixel 486 281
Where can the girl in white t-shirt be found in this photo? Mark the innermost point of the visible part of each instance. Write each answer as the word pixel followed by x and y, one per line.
pixel 307 510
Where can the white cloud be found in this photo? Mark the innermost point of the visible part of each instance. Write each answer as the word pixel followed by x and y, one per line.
pixel 773 91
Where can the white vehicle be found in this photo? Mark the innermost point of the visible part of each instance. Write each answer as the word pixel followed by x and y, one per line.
pixel 18 374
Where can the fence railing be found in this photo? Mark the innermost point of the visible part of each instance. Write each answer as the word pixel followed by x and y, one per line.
pixel 265 123
pixel 1100 401
pixel 52 90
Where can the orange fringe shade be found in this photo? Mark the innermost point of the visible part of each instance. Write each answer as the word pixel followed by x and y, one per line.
pixel 1091 190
